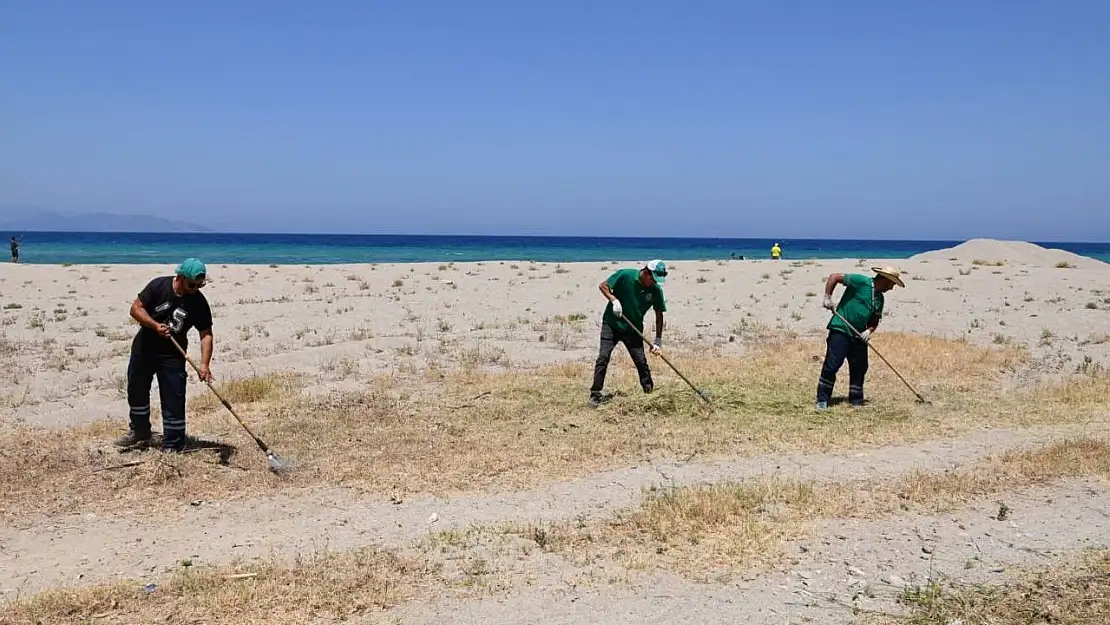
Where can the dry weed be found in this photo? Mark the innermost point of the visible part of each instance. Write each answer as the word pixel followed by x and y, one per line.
pixel 480 429
pixel 709 530
pixel 1076 593
pixel 248 390
pixel 340 586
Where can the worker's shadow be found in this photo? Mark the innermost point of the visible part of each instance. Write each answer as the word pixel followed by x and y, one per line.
pixel 841 401
pixel 193 445
pixel 224 451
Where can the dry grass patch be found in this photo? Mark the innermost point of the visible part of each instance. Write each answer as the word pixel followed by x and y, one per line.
pixel 339 586
pixel 475 429
pixel 1077 593
pixel 711 530
pixel 248 390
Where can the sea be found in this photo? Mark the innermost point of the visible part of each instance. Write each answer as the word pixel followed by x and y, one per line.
pixel 316 249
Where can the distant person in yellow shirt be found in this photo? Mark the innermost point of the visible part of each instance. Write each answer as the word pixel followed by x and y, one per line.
pixel 776 252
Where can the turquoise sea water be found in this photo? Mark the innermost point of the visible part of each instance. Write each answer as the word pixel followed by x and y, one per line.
pixel 236 248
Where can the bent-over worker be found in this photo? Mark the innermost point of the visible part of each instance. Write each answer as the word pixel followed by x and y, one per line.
pixel 862 307
pixel 631 293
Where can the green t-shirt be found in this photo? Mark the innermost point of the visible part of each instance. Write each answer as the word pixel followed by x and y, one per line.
pixel 861 305
pixel 635 299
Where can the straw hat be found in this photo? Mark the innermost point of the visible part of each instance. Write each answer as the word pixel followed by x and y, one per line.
pixel 890 273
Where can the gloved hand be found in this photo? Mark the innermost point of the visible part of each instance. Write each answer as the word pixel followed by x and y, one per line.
pixel 866 334
pixel 617 310
pixel 657 347
pixel 828 303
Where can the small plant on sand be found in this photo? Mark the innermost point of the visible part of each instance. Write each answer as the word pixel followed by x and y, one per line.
pixel 1064 265
pixel 1073 593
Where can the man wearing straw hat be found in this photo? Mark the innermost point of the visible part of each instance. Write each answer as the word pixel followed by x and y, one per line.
pixel 854 319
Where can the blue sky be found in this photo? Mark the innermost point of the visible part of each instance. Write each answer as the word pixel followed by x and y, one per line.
pixel 880 119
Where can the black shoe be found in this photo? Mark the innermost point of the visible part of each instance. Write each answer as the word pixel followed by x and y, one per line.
pixel 174 446
pixel 594 402
pixel 648 389
pixel 133 440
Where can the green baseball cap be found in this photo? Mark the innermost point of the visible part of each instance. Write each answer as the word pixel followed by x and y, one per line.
pixel 658 269
pixel 192 269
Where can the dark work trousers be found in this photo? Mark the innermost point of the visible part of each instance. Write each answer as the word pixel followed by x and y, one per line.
pixel 635 345
pixel 841 347
pixel 171 388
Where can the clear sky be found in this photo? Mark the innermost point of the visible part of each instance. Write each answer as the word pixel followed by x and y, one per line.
pixel 777 118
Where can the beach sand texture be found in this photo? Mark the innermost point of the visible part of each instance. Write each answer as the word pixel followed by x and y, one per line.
pixel 340 330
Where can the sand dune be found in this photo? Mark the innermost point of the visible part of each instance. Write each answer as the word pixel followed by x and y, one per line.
pixel 1012 252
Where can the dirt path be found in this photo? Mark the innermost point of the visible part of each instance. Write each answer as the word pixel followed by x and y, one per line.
pixel 86 548
pixel 848 559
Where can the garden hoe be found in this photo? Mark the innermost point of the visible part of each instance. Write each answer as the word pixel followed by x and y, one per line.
pixel 277 464
pixel 702 394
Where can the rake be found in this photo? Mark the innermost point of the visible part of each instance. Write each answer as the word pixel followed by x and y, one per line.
pixel 277 464
pixel 700 393
pixel 920 398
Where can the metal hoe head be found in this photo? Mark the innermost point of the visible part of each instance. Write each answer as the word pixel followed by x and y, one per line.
pixel 277 464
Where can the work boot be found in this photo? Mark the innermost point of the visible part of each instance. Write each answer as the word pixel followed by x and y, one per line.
pixel 133 440
pixel 821 405
pixel 174 445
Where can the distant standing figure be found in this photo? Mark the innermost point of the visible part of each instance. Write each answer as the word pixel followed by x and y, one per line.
pixel 15 250
pixel 167 307
pixel 862 307
pixel 776 252
pixel 631 292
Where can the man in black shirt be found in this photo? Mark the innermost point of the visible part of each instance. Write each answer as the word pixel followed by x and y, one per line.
pixel 167 306
pixel 15 250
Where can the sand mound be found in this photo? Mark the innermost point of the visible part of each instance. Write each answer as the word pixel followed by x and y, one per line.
pixel 1011 253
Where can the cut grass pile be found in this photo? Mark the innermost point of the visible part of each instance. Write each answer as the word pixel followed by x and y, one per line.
pixel 714 530
pixel 1077 593
pixel 470 429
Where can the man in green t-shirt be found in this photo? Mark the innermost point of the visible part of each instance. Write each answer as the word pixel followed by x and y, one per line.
pixel 862 307
pixel 631 293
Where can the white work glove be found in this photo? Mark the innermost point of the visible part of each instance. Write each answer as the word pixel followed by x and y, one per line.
pixel 866 334
pixel 657 346
pixel 617 310
pixel 828 303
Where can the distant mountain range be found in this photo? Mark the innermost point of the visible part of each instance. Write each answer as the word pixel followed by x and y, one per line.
pixel 44 221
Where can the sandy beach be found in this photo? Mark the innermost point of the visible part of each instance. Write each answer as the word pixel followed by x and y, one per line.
pixel 74 332
pixel 65 337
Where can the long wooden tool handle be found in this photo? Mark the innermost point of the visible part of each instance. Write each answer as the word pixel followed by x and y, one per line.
pixel 669 364
pixel 877 353
pixel 223 401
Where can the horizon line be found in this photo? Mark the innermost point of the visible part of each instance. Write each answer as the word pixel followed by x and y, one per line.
pixel 957 240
